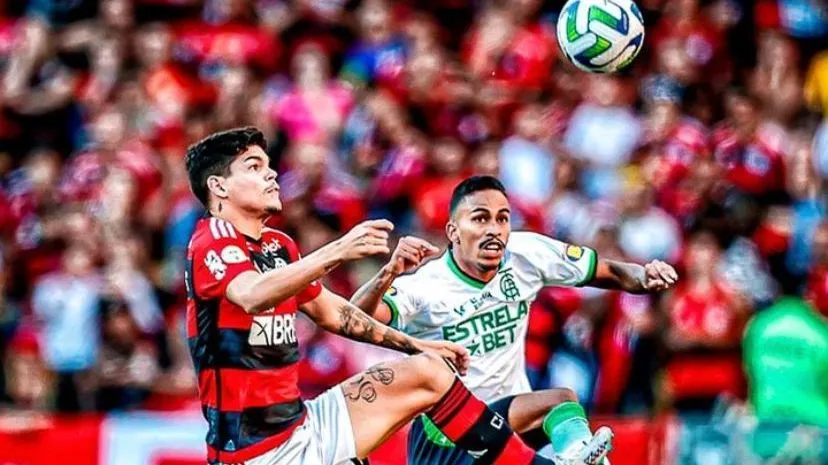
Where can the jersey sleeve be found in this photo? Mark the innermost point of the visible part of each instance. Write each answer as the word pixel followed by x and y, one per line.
pixel 217 260
pixel 401 300
pixel 559 263
pixel 312 290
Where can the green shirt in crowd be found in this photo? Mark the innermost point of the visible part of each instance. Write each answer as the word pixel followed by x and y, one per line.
pixel 786 359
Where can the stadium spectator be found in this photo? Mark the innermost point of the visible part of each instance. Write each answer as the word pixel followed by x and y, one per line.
pixel 785 359
pixel 66 305
pixel 704 320
pixel 603 132
pixel 817 290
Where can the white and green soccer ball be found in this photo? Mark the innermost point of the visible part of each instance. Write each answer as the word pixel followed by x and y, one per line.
pixel 600 36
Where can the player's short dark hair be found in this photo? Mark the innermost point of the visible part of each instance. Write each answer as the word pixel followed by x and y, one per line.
pixel 212 156
pixel 474 184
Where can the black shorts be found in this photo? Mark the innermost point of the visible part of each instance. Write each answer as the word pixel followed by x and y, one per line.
pixel 422 451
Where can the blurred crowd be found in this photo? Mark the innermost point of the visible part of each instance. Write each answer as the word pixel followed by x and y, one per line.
pixel 710 152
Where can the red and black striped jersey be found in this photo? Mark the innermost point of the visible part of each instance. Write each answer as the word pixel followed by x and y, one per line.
pixel 246 364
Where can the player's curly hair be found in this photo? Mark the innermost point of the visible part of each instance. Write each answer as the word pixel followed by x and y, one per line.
pixel 213 155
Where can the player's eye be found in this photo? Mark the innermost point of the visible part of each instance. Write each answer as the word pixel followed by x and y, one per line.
pixel 503 219
pixel 253 167
pixel 479 219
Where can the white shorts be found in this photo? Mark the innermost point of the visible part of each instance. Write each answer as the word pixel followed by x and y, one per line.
pixel 324 438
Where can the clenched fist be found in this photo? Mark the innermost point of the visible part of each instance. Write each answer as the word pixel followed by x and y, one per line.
pixel 365 239
pixel 659 276
pixel 411 252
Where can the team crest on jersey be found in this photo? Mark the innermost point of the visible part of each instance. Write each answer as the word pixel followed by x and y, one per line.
pixel 574 252
pixel 508 286
pixel 391 291
pixel 233 254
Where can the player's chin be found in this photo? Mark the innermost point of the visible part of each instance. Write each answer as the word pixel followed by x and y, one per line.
pixel 489 259
pixel 273 208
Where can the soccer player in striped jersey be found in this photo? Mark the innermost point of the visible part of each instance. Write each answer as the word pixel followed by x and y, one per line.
pixel 478 294
pixel 245 284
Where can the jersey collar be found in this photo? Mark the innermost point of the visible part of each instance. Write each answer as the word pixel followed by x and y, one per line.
pixel 462 275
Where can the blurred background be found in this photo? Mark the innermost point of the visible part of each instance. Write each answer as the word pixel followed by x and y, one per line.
pixel 710 152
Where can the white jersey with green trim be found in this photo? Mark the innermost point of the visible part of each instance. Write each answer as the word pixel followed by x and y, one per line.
pixel 440 302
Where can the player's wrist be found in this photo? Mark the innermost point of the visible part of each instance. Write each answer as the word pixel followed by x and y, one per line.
pixel 389 272
pixel 332 254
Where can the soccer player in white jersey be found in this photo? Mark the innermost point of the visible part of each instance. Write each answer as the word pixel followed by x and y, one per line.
pixel 478 294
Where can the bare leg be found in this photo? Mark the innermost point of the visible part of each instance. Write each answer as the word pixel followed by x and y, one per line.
pixel 527 411
pixel 385 397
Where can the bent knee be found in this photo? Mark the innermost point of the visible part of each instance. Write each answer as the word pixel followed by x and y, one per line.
pixel 562 395
pixel 433 373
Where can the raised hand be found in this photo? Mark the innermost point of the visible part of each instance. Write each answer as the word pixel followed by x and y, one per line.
pixel 411 252
pixel 659 276
pixel 365 239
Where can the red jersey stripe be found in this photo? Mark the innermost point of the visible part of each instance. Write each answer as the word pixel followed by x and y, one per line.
pixel 242 389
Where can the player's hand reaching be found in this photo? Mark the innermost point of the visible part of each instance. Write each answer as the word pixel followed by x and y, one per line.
pixel 365 239
pixel 659 276
pixel 454 353
pixel 411 252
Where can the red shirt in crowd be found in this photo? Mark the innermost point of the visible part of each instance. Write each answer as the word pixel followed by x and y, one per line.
pixel 239 44
pixel 817 290
pixel 85 172
pixel 711 320
pixel 431 200
pixel 703 43
pixel 616 346
pixel 171 84
pixel 687 142
pixel 755 167
pixel 526 61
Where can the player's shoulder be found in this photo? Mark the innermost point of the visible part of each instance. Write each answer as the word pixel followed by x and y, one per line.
pixel 524 242
pixel 537 248
pixel 210 230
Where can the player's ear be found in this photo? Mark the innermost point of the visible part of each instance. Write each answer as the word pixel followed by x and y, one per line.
pixel 451 232
pixel 215 184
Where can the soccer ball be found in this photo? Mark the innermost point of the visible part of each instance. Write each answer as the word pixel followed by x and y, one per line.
pixel 600 36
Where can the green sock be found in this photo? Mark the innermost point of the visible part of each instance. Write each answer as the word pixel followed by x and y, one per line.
pixel 566 425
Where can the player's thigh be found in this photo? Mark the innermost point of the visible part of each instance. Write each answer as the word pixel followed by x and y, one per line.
pixel 527 411
pixel 385 397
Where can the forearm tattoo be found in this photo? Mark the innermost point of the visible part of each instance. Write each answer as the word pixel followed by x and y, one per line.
pixel 355 324
pixel 368 296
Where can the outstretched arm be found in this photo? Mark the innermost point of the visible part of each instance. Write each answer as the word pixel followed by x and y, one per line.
pixel 256 292
pixel 655 276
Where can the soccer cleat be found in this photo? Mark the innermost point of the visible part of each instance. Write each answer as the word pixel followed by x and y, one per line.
pixel 596 450
pixel 593 452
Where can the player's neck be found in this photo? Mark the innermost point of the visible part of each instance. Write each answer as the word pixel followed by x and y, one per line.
pixel 250 226
pixel 471 270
